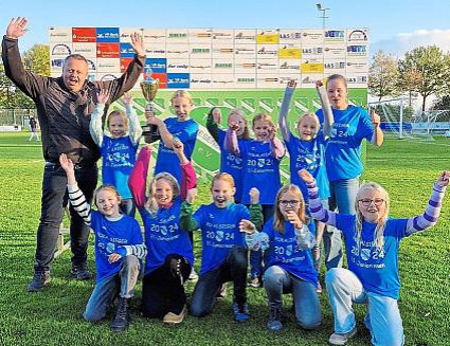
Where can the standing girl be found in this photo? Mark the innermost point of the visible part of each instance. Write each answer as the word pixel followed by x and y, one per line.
pixel 182 128
pixel 119 249
pixel 119 147
pixel 261 169
pixel 308 151
pixel 170 257
pixel 372 241
pixel 224 254
pixel 351 125
pixel 229 162
pixel 290 236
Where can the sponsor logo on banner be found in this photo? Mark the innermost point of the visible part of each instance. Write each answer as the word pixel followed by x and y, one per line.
pixel 110 65
pixel 245 51
pixel 83 34
pixel 154 35
pixel 289 53
pixel 177 50
pixel 125 33
pixel 267 65
pixel 335 51
pixel 177 35
pixel 267 52
pixel 60 50
pixel 267 82
pixel 244 36
pixel 223 66
pixel 312 66
pixel 271 37
pixel 177 65
pixel 197 51
pixel 155 65
pixel 126 50
pixel 289 36
pixel 357 35
pixel 200 35
pixel 356 65
pixel 312 36
pixel 316 50
pixel 357 80
pixel 124 62
pixel 223 80
pixel 86 49
pixel 289 65
pixel 200 65
pixel 201 81
pixel 91 65
pixel 156 50
pixel 161 76
pixel 60 34
pixel 334 36
pixel 334 65
pixel 247 81
pixel 357 50
pixel 108 50
pixel 108 35
pixel 225 35
pixel 107 76
pixel 178 80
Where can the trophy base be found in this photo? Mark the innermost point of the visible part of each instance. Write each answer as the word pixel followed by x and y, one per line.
pixel 150 133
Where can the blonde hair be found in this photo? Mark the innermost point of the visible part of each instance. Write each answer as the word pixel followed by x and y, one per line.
pixel 381 223
pixel 337 77
pixel 183 94
pixel 223 176
pixel 107 187
pixel 118 113
pixel 312 116
pixel 239 112
pixel 278 219
pixel 263 117
pixel 151 205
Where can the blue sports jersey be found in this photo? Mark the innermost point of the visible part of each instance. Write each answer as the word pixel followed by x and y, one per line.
pixel 119 156
pixel 164 236
pixel 343 151
pixel 261 169
pixel 285 253
pixel 232 164
pixel 220 232
pixel 376 269
pixel 109 237
pixel 167 160
pixel 309 155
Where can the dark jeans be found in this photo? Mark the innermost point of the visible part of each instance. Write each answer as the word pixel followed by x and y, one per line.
pixel 233 269
pixel 54 199
pixel 163 290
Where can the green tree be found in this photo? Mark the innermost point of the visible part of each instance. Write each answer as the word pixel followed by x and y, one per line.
pixel 423 71
pixel 37 59
pixel 383 75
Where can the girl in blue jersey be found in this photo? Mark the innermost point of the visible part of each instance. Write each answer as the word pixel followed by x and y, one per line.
pixel 170 257
pixel 119 147
pixel 308 151
pixel 182 128
pixel 119 249
pixel 229 162
pixel 224 254
pixel 290 269
pixel 351 125
pixel 372 241
pixel 261 169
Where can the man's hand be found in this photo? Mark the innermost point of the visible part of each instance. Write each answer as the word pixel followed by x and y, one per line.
pixel 17 27
pixel 138 44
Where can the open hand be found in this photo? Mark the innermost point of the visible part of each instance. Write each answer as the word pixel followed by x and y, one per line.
pixel 191 195
pixel 254 195
pixel 292 84
pixel 102 96
pixel 114 257
pixel 306 176
pixel 17 27
pixel 246 226
pixel 138 44
pixel 66 163
pixel 444 178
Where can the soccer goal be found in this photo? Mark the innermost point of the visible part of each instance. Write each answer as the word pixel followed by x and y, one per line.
pixel 395 119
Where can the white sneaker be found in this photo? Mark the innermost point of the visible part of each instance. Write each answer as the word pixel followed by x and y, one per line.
pixel 193 276
pixel 341 339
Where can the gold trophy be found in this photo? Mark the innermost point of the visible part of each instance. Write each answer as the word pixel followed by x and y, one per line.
pixel 149 89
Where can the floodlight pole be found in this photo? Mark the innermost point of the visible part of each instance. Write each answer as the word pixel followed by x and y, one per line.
pixel 324 13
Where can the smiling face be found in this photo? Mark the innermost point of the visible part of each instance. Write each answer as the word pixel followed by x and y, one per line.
pixel 182 107
pixel 108 202
pixel 337 93
pixel 308 127
pixel 239 119
pixel 222 192
pixel 163 191
pixel 288 202
pixel 262 130
pixel 75 73
pixel 372 203
pixel 117 126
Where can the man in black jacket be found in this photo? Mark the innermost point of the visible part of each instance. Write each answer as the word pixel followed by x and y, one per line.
pixel 64 106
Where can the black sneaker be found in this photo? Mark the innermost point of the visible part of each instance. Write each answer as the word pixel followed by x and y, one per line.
pixel 40 280
pixel 122 318
pixel 81 272
pixel 274 323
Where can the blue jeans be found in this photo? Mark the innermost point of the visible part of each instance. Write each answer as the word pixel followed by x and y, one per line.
pixel 256 257
pixel 307 306
pixel 342 197
pixel 105 291
pixel 54 198
pixel 208 285
pixel 383 317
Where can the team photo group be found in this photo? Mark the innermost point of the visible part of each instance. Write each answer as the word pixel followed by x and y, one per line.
pixel 256 232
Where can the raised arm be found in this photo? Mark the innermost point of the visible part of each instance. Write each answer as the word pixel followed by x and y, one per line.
pixel 138 177
pixel 212 123
pixel 431 214
pixel 276 145
pixel 378 136
pixel 231 140
pixel 188 176
pixel 187 221
pixel 283 122
pixel 326 108
pixel 76 196
pixel 256 215
pixel 315 205
pixel 135 131
pixel 96 125
pixel 166 136
pixel 30 83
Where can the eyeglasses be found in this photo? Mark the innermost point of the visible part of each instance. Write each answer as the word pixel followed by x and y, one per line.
pixel 367 202
pixel 286 202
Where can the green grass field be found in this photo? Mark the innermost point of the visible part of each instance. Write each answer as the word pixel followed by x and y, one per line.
pixel 406 169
